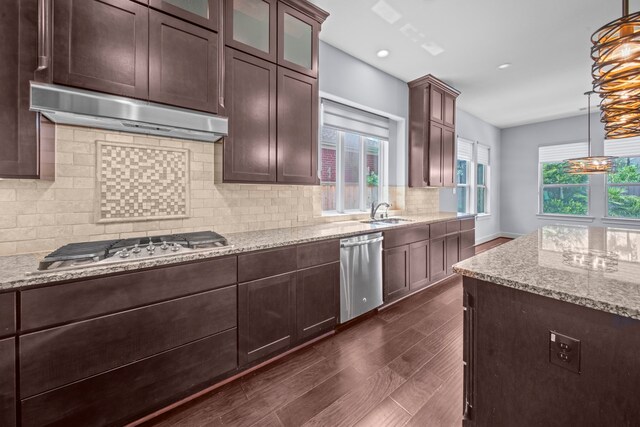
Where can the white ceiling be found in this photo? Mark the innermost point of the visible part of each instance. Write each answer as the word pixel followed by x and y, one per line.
pixel 547 41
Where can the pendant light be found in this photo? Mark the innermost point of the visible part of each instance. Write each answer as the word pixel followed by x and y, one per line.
pixel 590 165
pixel 616 74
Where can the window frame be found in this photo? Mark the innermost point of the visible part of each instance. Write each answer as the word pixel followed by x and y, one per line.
pixel 340 178
pixel 487 181
pixel 469 186
pixel 607 184
pixel 542 186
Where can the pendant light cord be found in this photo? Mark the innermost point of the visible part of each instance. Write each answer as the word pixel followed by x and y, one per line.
pixel 625 7
pixel 589 120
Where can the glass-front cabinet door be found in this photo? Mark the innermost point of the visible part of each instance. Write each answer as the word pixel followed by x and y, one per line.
pixel 251 27
pixel 200 12
pixel 297 41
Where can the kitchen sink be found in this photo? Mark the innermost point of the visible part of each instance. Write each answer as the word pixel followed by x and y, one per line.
pixel 384 221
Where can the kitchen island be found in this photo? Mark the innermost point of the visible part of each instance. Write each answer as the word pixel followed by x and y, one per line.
pixel 552 329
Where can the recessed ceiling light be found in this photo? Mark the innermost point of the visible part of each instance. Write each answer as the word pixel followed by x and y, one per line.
pixel 504 66
pixel 383 53
pixel 386 12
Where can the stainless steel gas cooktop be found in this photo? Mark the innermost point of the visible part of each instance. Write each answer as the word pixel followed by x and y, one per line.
pixel 88 254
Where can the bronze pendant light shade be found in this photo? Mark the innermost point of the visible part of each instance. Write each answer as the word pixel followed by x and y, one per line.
pixel 590 165
pixel 616 74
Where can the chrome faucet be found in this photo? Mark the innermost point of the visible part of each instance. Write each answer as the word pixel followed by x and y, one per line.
pixel 374 208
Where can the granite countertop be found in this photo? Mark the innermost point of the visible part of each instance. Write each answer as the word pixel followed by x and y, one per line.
pixel 19 271
pixel 595 267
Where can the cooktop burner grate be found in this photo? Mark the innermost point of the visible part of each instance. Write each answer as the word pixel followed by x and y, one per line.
pixel 87 253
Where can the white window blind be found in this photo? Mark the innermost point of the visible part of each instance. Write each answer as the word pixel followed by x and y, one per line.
pixel 483 154
pixel 622 147
pixel 465 150
pixel 562 152
pixel 351 119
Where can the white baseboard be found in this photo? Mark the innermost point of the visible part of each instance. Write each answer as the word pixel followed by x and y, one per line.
pixel 484 239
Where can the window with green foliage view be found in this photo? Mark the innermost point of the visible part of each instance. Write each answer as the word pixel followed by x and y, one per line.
pixel 563 193
pixel 623 189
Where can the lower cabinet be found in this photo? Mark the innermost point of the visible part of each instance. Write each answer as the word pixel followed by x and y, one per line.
pixel 418 265
pixel 452 245
pixel 467 244
pixel 396 272
pixel 438 259
pixel 318 300
pixel 8 382
pixel 266 316
pixel 134 390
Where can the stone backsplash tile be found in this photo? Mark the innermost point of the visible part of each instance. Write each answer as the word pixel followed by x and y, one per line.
pixel 43 215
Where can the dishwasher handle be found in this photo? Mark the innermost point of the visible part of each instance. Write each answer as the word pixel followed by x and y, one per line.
pixel 363 243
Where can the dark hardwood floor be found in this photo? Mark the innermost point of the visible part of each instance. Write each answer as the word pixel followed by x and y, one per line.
pixel 402 366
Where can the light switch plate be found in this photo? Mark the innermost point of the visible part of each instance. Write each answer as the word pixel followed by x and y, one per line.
pixel 564 351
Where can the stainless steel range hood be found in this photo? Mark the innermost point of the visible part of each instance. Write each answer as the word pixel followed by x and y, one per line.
pixel 71 106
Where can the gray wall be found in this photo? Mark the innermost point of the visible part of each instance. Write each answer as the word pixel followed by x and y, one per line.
pixel 474 129
pixel 519 180
pixel 347 77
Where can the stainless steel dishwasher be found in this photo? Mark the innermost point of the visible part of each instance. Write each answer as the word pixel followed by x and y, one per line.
pixel 360 275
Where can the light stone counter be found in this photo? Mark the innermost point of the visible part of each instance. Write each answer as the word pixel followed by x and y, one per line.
pixel 594 267
pixel 19 271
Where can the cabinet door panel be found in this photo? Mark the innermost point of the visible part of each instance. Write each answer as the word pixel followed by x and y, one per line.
pixel 18 125
pixel 418 136
pixel 396 272
pixel 419 265
pixel 452 252
pixel 250 26
pixel 298 41
pixel 449 118
pixel 101 45
pixel 250 148
pixel 183 62
pixel 201 12
pixel 266 316
pixel 448 157
pixel 437 105
pixel 434 156
pixel 437 259
pixel 8 382
pixel 135 390
pixel 318 300
pixel 297 128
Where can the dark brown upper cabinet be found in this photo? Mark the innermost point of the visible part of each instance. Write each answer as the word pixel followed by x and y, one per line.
pixel 250 26
pixel 200 12
pixel 297 150
pixel 298 40
pixel 27 146
pixel 183 63
pixel 102 45
pixel 266 316
pixel 250 148
pixel 432 147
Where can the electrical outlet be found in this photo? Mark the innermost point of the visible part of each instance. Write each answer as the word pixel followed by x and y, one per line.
pixel 564 351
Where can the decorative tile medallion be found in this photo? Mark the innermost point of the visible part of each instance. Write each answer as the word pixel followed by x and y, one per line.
pixel 138 183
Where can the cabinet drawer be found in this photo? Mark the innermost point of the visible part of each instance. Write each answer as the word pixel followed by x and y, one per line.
pixel 59 356
pixel 95 297
pixel 7 382
pixel 467 224
pixel 404 236
pixel 135 390
pixel 438 229
pixel 263 264
pixel 318 253
pixel 7 314
pixel 453 226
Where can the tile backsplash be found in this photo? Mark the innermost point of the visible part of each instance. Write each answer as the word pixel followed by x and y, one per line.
pixel 43 215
